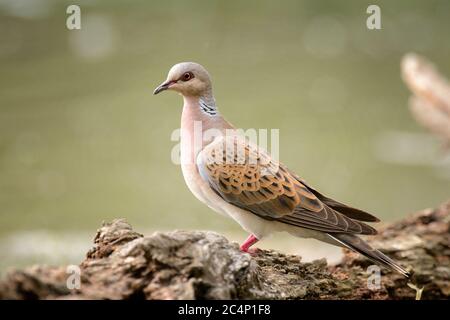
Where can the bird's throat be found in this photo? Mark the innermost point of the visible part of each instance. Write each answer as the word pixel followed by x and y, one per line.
pixel 199 126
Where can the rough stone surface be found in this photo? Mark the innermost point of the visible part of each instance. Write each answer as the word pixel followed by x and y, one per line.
pixel 204 265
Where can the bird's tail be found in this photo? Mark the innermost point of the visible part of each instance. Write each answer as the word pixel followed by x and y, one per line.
pixel 357 244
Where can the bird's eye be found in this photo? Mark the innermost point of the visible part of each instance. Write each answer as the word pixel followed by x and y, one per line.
pixel 187 76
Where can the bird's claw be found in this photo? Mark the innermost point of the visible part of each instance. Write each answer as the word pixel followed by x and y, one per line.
pixel 251 251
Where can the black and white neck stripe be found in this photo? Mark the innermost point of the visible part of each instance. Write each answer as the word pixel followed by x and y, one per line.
pixel 208 108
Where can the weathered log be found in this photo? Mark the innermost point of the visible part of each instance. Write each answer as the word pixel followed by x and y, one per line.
pixel 124 264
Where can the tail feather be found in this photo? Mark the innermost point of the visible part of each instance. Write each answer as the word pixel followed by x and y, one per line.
pixel 359 245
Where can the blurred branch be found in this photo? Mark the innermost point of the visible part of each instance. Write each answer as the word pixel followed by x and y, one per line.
pixel 430 103
pixel 204 265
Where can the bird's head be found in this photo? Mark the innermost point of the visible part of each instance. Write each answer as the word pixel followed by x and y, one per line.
pixel 188 79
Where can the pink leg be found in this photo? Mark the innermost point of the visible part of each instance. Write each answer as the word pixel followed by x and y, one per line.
pixel 251 240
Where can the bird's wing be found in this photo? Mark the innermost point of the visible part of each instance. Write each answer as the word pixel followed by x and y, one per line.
pixel 246 176
pixel 348 211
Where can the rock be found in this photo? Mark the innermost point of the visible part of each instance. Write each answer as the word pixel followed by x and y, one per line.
pixel 124 264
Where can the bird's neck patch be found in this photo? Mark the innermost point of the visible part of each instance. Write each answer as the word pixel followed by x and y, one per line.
pixel 208 106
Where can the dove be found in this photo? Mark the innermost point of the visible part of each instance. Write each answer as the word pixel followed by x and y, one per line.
pixel 235 177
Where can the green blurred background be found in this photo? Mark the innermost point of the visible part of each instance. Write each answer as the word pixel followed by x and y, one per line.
pixel 82 139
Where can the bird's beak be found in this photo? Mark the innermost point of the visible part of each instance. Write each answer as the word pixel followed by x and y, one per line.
pixel 163 86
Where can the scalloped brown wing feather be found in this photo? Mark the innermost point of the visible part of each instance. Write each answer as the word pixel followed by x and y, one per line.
pixel 348 211
pixel 246 176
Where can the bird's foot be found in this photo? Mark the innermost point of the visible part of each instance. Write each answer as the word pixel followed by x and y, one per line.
pixel 245 247
pixel 251 251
